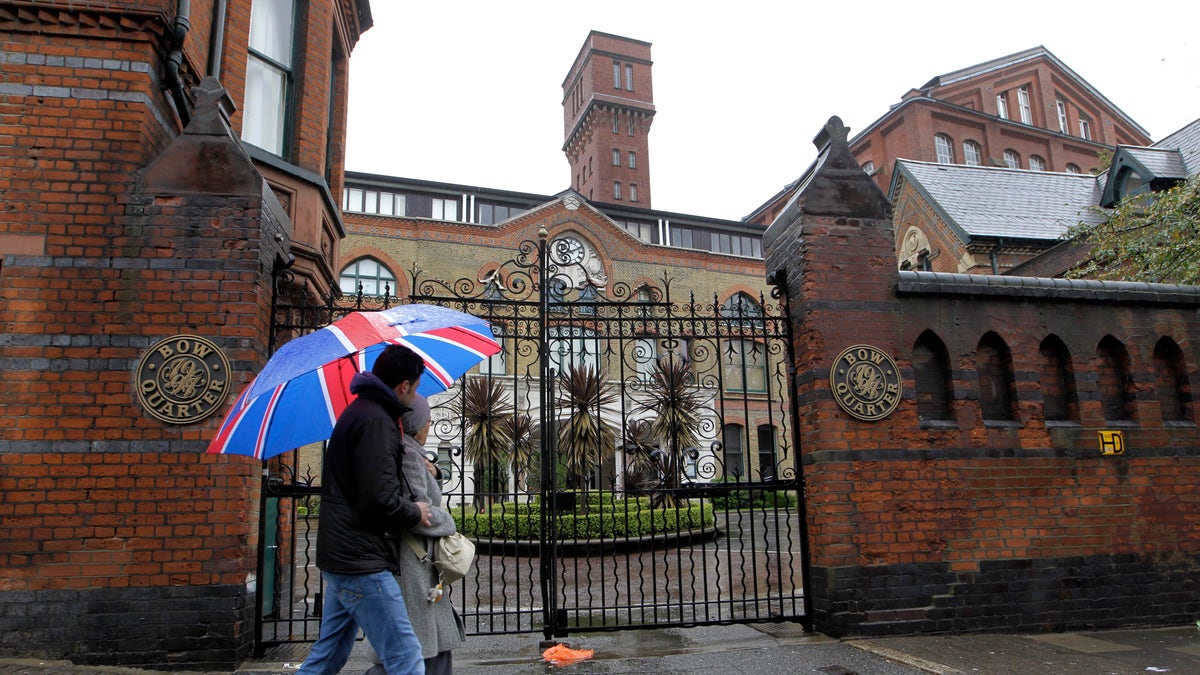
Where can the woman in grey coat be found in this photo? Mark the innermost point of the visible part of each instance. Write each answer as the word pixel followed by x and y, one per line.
pixel 437 624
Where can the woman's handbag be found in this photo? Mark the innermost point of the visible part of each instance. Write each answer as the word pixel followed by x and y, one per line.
pixel 452 555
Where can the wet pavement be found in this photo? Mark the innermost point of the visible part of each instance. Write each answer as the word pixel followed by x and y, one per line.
pixel 770 649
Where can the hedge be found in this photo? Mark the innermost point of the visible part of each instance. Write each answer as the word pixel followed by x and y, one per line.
pixel 606 517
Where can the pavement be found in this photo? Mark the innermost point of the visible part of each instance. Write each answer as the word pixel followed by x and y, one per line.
pixel 769 649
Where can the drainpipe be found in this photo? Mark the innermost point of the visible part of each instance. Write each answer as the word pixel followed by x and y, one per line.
pixel 217 44
pixel 995 256
pixel 179 31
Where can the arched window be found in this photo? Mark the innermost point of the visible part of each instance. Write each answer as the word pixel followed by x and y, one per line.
pixel 1012 159
pixel 1036 163
pixel 1171 383
pixel 931 370
pixel 1073 168
pixel 993 364
pixel 734 459
pixel 944 148
pixel 374 277
pixel 1115 384
pixel 972 154
pixel 742 312
pixel 1057 380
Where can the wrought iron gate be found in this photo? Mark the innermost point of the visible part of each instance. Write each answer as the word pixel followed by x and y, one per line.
pixel 629 460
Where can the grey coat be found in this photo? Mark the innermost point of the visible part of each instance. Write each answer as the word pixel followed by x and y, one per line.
pixel 438 626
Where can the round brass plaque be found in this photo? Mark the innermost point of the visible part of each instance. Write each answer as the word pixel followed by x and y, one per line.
pixel 183 379
pixel 866 382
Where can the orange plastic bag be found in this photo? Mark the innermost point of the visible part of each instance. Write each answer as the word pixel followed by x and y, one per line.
pixel 562 655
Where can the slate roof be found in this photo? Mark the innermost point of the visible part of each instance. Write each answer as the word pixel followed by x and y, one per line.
pixel 1187 142
pixel 978 201
pixel 1160 162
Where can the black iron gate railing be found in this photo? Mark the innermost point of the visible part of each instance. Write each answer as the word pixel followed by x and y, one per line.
pixel 628 460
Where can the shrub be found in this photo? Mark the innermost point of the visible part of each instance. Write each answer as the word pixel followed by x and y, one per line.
pixel 607 517
pixel 753 497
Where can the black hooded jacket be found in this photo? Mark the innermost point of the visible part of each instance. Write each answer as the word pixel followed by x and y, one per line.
pixel 361 485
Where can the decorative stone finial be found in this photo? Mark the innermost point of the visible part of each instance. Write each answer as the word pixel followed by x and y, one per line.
pixel 833 132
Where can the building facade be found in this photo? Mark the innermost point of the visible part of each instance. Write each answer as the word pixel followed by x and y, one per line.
pixel 160 163
pixel 1025 111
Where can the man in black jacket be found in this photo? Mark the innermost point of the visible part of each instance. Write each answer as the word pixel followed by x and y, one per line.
pixel 361 499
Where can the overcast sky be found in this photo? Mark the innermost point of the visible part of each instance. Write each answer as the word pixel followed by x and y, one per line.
pixel 470 92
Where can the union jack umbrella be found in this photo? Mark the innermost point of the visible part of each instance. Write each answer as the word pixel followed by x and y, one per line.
pixel 303 388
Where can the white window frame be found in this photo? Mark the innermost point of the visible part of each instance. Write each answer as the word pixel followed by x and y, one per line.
pixel 445 209
pixel 972 153
pixel 1063 125
pixel 616 189
pixel 616 157
pixel 944 148
pixel 628 77
pixel 372 274
pixel 632 159
pixel 1012 159
pixel 1085 128
pixel 266 107
pixel 633 192
pixel 1023 105
pixel 1036 163
pixel 1002 105
pixel 616 74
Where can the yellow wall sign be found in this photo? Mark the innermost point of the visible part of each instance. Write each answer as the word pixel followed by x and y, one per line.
pixel 183 379
pixel 1111 442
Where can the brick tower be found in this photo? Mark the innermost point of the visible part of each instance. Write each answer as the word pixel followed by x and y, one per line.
pixel 608 104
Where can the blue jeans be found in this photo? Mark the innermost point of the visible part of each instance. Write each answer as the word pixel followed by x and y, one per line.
pixel 372 601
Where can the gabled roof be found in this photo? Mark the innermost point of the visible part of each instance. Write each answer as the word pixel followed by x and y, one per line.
pixel 994 202
pixel 1158 162
pixel 1021 57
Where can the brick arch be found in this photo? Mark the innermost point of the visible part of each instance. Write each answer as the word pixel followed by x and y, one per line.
pixel 1172 384
pixel 996 379
pixel 755 294
pixel 1115 379
pixel 932 379
pixel 402 289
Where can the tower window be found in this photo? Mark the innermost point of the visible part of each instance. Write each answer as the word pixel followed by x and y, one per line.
pixel 616 122
pixel 616 157
pixel 616 75
pixel 628 77
pixel 633 192
pixel 616 189
pixel 632 159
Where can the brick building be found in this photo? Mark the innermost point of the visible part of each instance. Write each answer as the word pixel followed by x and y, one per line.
pixel 1025 111
pixel 1037 471
pixel 992 220
pixel 159 163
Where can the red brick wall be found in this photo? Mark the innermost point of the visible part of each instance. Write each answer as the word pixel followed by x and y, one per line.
pixel 971 525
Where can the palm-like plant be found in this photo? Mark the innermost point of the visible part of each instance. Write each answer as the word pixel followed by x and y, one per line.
pixel 643 470
pixel 486 412
pixel 524 437
pixel 677 404
pixel 585 440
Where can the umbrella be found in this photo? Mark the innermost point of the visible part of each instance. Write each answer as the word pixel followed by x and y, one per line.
pixel 303 388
